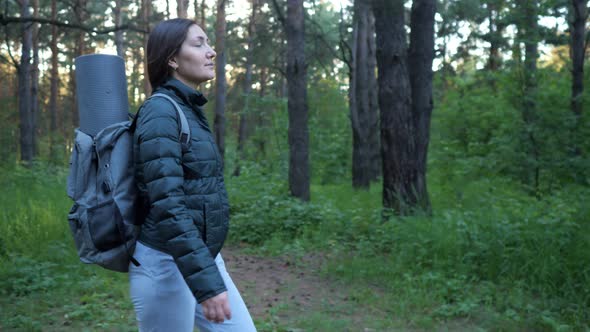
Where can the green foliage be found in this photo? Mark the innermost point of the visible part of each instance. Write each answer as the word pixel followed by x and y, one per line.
pixel 480 120
pixel 330 133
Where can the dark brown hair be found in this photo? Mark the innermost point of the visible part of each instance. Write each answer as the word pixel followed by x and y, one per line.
pixel 164 43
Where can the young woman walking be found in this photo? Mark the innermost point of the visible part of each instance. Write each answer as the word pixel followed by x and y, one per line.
pixel 182 280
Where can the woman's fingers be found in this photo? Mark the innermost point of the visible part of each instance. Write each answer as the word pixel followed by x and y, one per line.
pixel 216 309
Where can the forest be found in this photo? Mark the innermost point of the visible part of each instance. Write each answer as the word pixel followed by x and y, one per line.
pixel 392 165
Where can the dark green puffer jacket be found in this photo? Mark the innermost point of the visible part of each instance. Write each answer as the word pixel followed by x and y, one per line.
pixel 188 214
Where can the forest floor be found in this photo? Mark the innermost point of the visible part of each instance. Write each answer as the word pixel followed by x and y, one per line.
pixel 288 293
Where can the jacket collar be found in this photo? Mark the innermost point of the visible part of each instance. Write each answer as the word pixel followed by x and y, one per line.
pixel 188 95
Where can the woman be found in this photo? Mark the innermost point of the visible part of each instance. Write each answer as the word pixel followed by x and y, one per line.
pixel 182 280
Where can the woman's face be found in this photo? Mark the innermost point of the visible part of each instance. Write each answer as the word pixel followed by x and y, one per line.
pixel 194 63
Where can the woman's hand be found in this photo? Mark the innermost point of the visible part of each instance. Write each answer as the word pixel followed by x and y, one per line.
pixel 216 309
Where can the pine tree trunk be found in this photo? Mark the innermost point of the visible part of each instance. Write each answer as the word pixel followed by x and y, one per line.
pixel 81 15
pixel 220 84
pixel 364 113
pixel 374 143
pixel 53 109
pixel 299 170
pixel 35 78
pixel 24 89
pixel 181 8
pixel 578 32
pixel 119 33
pixel 146 9
pixel 529 110
pixel 202 8
pixel 420 58
pixel 261 118
pixel 244 116
pixel 402 136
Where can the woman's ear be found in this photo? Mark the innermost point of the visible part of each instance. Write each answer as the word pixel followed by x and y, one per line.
pixel 173 64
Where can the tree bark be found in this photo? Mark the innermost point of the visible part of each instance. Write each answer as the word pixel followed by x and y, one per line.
pixel 374 142
pixel 81 16
pixel 146 9
pixel 220 84
pixel 181 8
pixel 402 136
pixel 53 109
pixel 244 116
pixel 363 112
pixel 35 77
pixel 495 36
pixel 119 33
pixel 578 31
pixel 299 170
pixel 200 13
pixel 529 110
pixel 420 58
pixel 27 125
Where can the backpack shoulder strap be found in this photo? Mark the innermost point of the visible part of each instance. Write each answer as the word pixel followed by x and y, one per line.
pixel 185 134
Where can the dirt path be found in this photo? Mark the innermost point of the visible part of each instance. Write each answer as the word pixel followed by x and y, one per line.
pixel 288 288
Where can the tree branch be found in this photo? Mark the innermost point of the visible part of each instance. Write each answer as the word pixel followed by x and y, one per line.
pixel 14 63
pixel 5 20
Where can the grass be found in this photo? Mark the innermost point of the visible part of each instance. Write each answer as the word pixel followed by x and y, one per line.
pixel 490 258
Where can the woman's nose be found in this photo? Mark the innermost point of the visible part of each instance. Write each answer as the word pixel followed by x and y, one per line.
pixel 211 53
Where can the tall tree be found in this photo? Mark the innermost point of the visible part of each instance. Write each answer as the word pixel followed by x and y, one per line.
pixel 220 84
pixel 200 13
pixel 27 125
pixel 579 15
pixel 364 111
pixel 299 169
pixel 35 76
pixel 182 8
pixel 404 121
pixel 119 33
pixel 529 32
pixel 81 15
pixel 54 78
pixel 420 57
pixel 146 11
pixel 243 119
pixel 497 24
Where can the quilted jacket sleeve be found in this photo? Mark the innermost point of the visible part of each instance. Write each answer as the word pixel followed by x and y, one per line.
pixel 160 157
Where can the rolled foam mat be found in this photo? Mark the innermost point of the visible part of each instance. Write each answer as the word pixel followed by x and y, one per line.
pixel 101 88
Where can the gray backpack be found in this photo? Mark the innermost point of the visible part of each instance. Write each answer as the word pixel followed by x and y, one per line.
pixel 104 219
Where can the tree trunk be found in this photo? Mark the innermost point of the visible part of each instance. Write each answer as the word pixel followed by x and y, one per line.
pixel 404 181
pixel 420 57
pixel 167 14
pixel 244 115
pixel 363 116
pixel 35 78
pixel 220 85
pixel 299 170
pixel 261 117
pixel 81 15
pixel 24 89
pixel 496 33
pixel 53 109
pixel 578 31
pixel 374 144
pixel 119 33
pixel 146 9
pixel 200 13
pixel 529 111
pixel 181 8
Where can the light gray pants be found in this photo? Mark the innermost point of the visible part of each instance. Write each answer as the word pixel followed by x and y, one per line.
pixel 163 301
